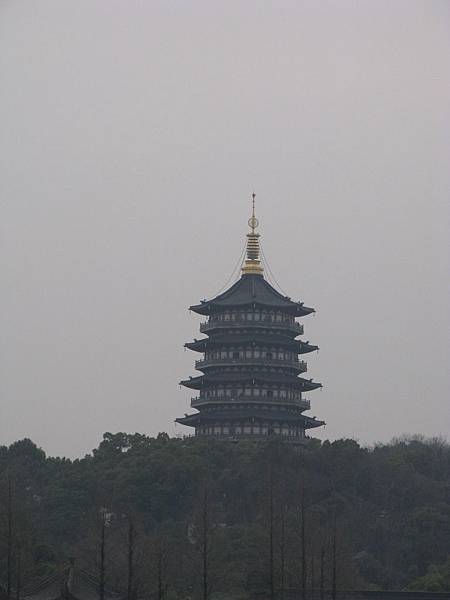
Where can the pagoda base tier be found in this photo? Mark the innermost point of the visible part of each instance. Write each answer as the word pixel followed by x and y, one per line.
pixel 244 422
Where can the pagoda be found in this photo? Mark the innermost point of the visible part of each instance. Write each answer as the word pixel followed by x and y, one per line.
pixel 251 383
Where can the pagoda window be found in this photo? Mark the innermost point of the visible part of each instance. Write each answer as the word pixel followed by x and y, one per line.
pixel 247 428
pixel 256 353
pixel 217 430
pixel 256 391
pixel 220 391
pixel 269 393
pixel 248 391
pixel 227 316
pixel 257 315
pixel 238 428
pixel 235 354
pixel 278 317
pixel 282 393
pixel 269 355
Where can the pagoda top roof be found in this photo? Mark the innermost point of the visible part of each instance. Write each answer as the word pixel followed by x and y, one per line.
pixel 251 289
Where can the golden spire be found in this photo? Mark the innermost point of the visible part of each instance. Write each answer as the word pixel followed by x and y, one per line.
pixel 252 265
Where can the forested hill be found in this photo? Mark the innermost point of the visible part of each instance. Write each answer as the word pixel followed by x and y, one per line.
pixel 172 514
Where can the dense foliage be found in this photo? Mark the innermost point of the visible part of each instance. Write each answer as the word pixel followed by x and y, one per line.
pixel 180 517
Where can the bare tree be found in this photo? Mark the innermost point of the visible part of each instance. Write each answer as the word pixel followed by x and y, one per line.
pixel 334 560
pixel 131 558
pixel 304 570
pixel 271 533
pixel 283 553
pixel 322 572
pixel 9 536
pixel 102 553
pixel 18 573
pixel 160 561
pixel 205 542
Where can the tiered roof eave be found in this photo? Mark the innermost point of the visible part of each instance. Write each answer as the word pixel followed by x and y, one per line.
pixel 195 418
pixel 201 381
pixel 252 290
pixel 298 345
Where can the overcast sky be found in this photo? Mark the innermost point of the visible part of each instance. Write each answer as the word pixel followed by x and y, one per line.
pixel 132 135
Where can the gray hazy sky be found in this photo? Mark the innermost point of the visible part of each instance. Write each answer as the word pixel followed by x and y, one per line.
pixel 132 134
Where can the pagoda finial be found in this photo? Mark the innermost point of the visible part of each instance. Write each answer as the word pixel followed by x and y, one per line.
pixel 253 221
pixel 252 265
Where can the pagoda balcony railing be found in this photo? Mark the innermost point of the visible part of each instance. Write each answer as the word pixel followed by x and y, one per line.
pixel 200 401
pixel 236 437
pixel 215 323
pixel 299 365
